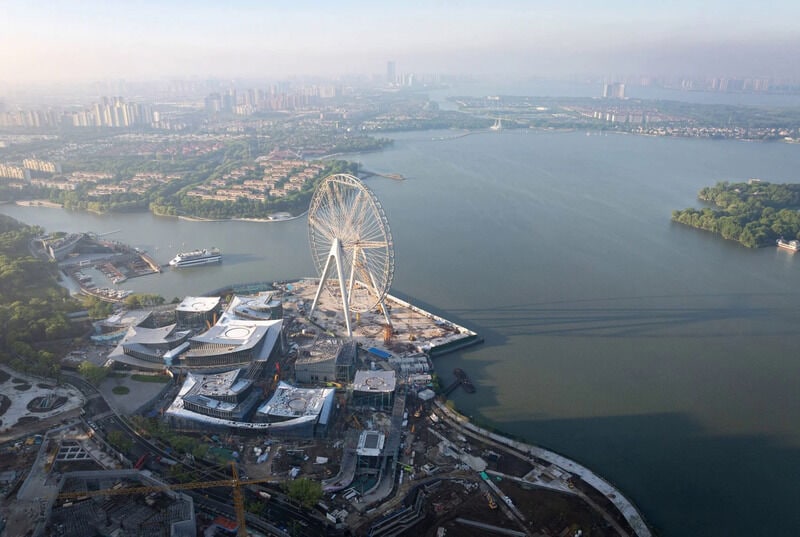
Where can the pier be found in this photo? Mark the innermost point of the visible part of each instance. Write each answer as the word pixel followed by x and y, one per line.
pixel 462 379
pixel 150 262
pixel 392 176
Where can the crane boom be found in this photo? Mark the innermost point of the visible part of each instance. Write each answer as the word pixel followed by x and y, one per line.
pixel 154 488
pixel 235 483
pixel 238 503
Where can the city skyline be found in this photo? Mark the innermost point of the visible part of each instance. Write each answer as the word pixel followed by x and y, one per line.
pixel 62 42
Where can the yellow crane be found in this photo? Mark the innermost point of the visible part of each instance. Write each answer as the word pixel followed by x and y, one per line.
pixel 490 499
pixel 235 483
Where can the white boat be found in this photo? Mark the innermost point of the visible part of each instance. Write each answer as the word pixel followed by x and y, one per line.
pixel 789 245
pixel 196 257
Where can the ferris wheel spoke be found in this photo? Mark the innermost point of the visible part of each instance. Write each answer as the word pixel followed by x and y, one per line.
pixel 372 244
pixel 323 230
pixel 355 207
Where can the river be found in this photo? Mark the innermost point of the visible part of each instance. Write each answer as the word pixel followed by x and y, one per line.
pixel 662 357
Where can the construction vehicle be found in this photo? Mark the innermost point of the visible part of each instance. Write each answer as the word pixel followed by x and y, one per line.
pixel 356 423
pixel 234 482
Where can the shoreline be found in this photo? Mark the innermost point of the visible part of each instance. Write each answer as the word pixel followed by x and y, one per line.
pixel 625 506
pixel 39 203
pixel 271 220
pixel 284 216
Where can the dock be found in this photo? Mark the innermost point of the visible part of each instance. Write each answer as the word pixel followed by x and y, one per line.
pixel 150 261
pixel 462 379
pixel 392 176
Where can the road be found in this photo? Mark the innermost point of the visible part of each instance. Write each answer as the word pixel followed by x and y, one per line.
pixel 283 513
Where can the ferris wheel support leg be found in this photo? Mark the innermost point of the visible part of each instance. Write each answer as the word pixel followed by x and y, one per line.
pixel 385 313
pixel 335 254
pixel 352 281
pixel 322 278
pixel 345 294
pixel 377 294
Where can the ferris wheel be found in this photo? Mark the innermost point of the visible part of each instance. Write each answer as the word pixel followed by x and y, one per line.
pixel 351 245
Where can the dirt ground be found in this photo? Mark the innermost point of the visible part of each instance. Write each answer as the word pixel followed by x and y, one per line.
pixel 548 513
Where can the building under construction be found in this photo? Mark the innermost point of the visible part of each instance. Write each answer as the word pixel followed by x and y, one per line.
pixel 198 313
pixel 155 513
pixel 327 360
pixel 374 388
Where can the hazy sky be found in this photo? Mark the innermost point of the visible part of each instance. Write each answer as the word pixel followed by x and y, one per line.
pixel 67 40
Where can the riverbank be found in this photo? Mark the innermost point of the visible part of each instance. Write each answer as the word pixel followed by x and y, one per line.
pixel 39 203
pixel 277 217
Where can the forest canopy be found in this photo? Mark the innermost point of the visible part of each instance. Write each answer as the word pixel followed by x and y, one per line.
pixel 33 307
pixel 755 214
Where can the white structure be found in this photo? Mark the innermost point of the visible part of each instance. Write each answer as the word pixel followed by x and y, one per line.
pixel 261 307
pixel 291 411
pixel 349 232
pixel 375 381
pixel 198 312
pixel 374 388
pixel 303 409
pixel 370 444
pixel 233 341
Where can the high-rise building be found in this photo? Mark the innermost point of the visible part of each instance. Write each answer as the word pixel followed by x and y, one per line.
pixel 615 90
pixel 391 72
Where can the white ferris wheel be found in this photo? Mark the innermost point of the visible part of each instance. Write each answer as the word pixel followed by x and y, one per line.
pixel 351 245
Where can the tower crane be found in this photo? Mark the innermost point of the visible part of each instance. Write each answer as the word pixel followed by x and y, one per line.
pixel 234 482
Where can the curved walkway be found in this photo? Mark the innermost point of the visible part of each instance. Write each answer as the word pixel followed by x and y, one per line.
pixel 624 505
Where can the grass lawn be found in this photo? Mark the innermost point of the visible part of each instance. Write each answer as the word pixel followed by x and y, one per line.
pixel 160 379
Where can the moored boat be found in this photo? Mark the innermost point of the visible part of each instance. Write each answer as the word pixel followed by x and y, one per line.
pixel 196 257
pixel 792 246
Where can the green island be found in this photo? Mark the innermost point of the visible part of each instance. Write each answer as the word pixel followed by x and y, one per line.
pixel 755 213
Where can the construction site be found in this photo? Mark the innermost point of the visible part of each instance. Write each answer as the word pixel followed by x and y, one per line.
pixel 298 408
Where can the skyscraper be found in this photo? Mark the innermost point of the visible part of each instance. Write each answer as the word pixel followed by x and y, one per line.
pixel 391 73
pixel 615 90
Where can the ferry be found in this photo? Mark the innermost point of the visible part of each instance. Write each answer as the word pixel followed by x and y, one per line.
pixel 196 257
pixel 792 246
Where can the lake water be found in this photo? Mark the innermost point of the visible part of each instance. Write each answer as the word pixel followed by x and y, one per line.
pixel 660 356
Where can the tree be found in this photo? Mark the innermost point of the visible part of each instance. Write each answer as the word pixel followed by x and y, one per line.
pixel 94 374
pixel 98 309
pixel 143 300
pixel 306 492
pixel 120 440
pixel 256 508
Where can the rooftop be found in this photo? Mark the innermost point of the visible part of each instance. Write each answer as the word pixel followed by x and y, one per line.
pixel 293 402
pixel 322 350
pixel 220 384
pixel 370 443
pixel 374 381
pixel 257 307
pixel 199 303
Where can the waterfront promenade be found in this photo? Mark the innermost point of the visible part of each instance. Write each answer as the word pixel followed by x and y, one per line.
pixel 625 507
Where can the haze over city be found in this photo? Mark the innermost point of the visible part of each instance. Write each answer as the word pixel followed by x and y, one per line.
pixel 68 42
pixel 399 268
